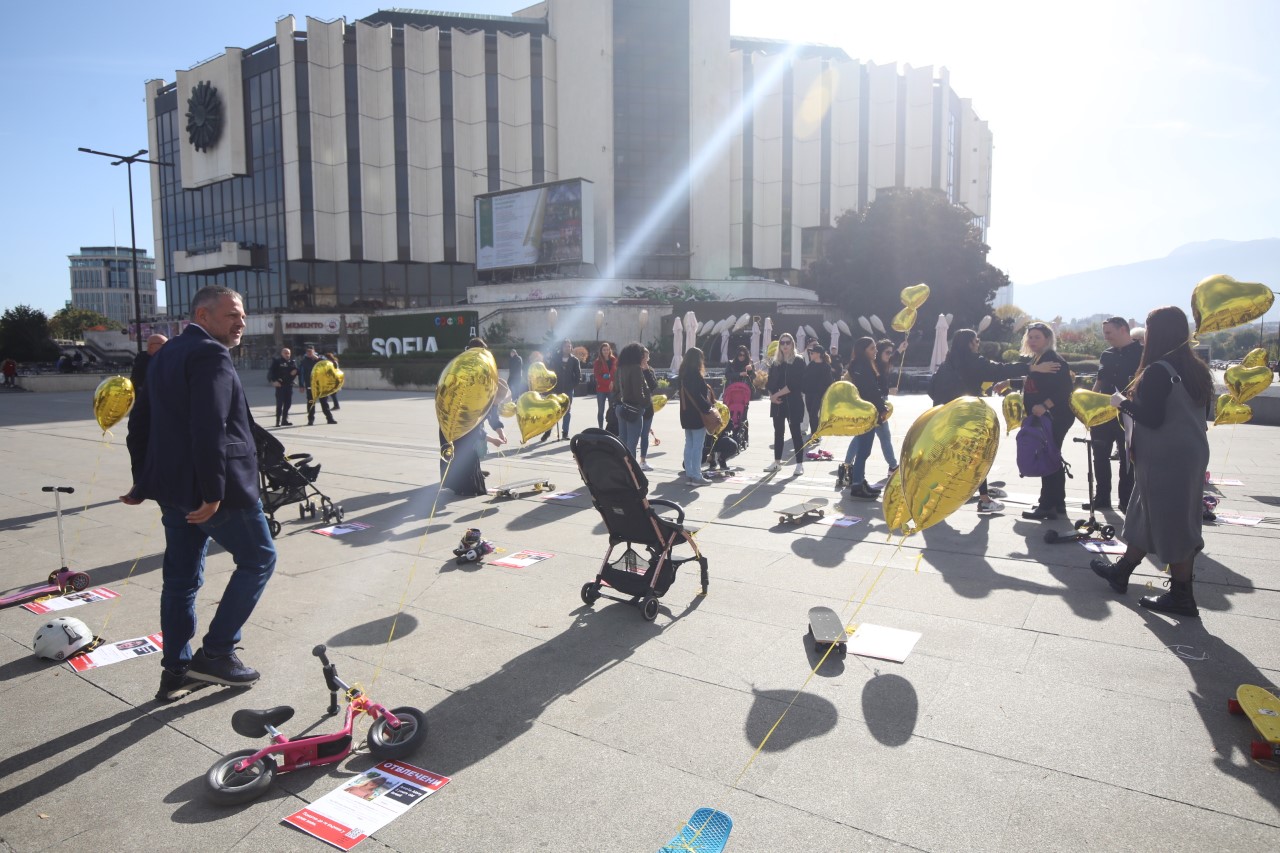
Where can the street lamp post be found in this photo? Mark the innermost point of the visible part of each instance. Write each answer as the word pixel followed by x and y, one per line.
pixel 128 161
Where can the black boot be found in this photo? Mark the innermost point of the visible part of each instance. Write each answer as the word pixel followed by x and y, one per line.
pixel 1178 600
pixel 1117 575
pixel 842 475
pixel 861 491
pixel 1040 513
pixel 867 487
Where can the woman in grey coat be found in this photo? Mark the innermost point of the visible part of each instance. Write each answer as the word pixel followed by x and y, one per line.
pixel 1170 453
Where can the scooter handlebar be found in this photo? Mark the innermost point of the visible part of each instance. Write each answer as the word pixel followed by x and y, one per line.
pixel 66 490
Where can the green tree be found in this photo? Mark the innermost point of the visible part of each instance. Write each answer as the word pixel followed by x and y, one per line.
pixel 905 237
pixel 24 332
pixel 70 322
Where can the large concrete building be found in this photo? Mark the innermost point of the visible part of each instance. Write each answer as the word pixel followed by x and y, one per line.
pixel 102 281
pixel 337 166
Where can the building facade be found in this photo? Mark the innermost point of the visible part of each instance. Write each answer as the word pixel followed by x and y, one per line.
pixel 102 281
pixel 337 166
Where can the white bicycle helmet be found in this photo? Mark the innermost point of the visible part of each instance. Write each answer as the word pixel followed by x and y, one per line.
pixel 60 638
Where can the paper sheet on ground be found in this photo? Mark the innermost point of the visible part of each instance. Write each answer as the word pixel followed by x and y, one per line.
pixel 342 529
pixel 1103 546
pixel 110 653
pixel 559 496
pixel 875 641
pixel 839 520
pixel 1230 518
pixel 522 559
pixel 1223 481
pixel 71 599
pixel 363 805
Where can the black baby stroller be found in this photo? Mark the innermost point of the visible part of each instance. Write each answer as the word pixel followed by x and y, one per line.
pixel 618 490
pixel 289 479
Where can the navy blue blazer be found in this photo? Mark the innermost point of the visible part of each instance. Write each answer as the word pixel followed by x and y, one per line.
pixel 194 444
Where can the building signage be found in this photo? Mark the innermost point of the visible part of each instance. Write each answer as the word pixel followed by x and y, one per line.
pixel 306 324
pixel 534 226
pixel 400 334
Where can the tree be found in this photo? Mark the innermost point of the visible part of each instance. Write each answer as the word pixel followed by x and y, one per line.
pixel 24 332
pixel 905 237
pixel 70 322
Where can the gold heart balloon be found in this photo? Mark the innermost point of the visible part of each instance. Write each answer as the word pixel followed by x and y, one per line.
pixel 1228 411
pixel 537 413
pixel 658 400
pixel 905 319
pixel 895 505
pixel 1255 358
pixel 112 401
pixel 722 410
pixel 948 452
pixel 1092 408
pixel 326 379
pixel 1245 383
pixel 1015 411
pixel 844 412
pixel 541 379
pixel 467 388
pixel 914 296
pixel 771 350
pixel 508 409
pixel 1220 302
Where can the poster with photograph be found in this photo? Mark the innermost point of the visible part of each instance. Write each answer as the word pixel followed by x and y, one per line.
pixel 361 806
pixel 342 529
pixel 109 653
pixel 522 559
pixel 71 599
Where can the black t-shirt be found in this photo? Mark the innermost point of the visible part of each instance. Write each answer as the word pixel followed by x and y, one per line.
pixel 1117 367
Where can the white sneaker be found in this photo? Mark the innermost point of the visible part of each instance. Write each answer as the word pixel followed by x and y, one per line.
pixel 799 469
pixel 989 506
pixel 772 466
pixel 993 492
pixel 645 466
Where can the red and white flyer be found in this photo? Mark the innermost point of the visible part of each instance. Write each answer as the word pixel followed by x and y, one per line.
pixel 110 653
pixel 522 559
pixel 363 805
pixel 71 599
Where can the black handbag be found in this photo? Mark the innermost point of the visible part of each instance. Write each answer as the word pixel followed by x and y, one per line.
pixel 630 413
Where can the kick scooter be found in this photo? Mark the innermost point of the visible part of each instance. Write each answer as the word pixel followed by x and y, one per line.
pixel 63 580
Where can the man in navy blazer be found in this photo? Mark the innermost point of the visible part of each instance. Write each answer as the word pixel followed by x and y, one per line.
pixel 197 459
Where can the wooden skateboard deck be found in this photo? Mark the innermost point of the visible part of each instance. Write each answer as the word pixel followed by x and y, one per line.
pixel 812 507
pixel 1263 710
pixel 706 832
pixel 826 629
pixel 514 490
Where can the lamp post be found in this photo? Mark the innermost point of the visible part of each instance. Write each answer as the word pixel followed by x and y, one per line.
pixel 128 161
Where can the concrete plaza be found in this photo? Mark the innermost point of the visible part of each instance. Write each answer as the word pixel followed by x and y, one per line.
pixel 1037 711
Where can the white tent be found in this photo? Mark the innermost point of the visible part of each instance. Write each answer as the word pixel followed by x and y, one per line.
pixel 768 337
pixel 677 345
pixel 755 342
pixel 939 343
pixel 690 331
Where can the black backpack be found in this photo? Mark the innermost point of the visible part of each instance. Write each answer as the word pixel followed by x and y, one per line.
pixel 945 385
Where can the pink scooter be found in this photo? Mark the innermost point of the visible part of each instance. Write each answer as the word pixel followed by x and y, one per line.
pixel 63 580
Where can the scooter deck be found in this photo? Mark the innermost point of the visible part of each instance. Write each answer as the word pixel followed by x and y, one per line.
pixel 706 832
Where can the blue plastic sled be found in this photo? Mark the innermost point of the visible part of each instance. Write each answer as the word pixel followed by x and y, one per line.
pixel 706 832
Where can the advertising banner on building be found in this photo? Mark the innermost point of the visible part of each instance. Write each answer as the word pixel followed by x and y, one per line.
pixel 533 226
pixel 402 334
pixel 305 324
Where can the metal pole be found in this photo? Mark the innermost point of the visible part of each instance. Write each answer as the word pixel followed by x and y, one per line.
pixel 133 243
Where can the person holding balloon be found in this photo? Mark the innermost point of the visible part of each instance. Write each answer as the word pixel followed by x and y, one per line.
pixel 568 377
pixel 865 376
pixel 817 379
pixel 696 400
pixel 1170 451
pixel 740 368
pixel 885 352
pixel 462 475
pixel 1048 393
pixel 651 384
pixel 633 394
pixel 786 395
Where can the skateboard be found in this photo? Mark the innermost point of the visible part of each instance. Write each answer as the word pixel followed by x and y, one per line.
pixel 706 832
pixel 827 630
pixel 514 490
pixel 812 507
pixel 1263 710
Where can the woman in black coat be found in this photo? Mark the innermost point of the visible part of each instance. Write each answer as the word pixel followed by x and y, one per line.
pixel 865 376
pixel 1048 393
pixel 696 399
pixel 786 396
pixel 740 369
pixel 817 379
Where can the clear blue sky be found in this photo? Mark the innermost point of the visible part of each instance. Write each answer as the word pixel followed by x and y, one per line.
pixel 1122 129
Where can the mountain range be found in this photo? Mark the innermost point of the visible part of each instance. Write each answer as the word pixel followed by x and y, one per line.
pixel 1131 290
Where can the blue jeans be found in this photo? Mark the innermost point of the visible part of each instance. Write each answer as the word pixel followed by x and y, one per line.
pixel 244 535
pixel 886 444
pixel 693 442
pixel 859 449
pixel 602 400
pixel 644 435
pixel 629 433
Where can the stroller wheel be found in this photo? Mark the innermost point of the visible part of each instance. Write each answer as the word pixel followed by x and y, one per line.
pixel 302 511
pixel 337 513
pixel 590 592
pixel 274 527
pixel 649 609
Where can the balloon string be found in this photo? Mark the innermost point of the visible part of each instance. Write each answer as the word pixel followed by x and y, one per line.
pixel 906 344
pixel 142 550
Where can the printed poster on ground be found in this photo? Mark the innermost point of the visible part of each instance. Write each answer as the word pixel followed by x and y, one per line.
pixel 363 805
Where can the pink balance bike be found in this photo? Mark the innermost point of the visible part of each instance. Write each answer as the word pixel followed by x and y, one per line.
pixel 246 774
pixel 62 581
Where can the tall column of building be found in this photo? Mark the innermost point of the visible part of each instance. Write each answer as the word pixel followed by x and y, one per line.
pixel 328 120
pixel 422 115
pixel 377 141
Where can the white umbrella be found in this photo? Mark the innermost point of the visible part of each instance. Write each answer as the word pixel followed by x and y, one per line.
pixel 939 343
pixel 707 327
pixel 677 344
pixel 834 329
pixel 811 332
pixel 875 321
pixel 986 321
pixel 865 323
pixel 690 331
pixel 741 323
pixel 951 318
pixel 755 342
pixel 801 339
pixel 843 327
pixel 724 344
pixel 768 335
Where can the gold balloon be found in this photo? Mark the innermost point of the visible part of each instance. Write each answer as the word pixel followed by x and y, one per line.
pixel 1092 408
pixel 844 412
pixel 1228 411
pixel 468 385
pixel 536 413
pixel 895 504
pixel 658 400
pixel 326 379
pixel 1015 411
pixel 986 388
pixel 508 409
pixel 761 380
pixel 948 452
pixel 888 409
pixel 723 410
pixel 904 319
pixel 1245 383
pixel 1255 358
pixel 112 401
pixel 1220 302
pixel 771 350
pixel 915 295
pixel 541 379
